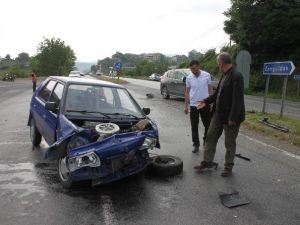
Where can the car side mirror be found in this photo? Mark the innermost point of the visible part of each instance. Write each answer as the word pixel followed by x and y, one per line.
pixel 146 111
pixel 184 79
pixel 51 106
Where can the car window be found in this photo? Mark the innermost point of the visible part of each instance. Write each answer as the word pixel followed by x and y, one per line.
pixel 57 94
pixel 46 91
pixel 109 97
pixel 179 75
pixel 171 75
pixel 102 99
pixel 127 104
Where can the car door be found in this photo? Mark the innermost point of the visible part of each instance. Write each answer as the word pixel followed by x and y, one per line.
pixel 180 84
pixel 171 85
pixel 51 118
pixel 38 106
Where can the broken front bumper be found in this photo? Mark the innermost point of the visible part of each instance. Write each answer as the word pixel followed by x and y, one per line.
pixel 119 156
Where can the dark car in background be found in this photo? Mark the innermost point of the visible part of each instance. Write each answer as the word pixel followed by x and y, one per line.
pixel 95 129
pixel 173 83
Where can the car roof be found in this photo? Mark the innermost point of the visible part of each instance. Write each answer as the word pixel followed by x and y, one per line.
pixel 81 80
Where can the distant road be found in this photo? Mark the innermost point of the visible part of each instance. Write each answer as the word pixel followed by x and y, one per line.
pixel 292 109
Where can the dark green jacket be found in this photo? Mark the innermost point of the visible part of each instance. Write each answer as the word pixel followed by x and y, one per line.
pixel 231 101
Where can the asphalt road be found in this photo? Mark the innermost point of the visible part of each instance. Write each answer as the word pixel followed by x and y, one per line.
pixel 30 192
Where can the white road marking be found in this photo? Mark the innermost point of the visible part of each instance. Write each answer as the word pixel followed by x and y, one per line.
pixel 108 210
pixel 271 146
pixel 15 142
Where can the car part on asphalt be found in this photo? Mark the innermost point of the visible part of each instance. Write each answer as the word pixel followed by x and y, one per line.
pixel 273 125
pixel 149 95
pixel 233 199
pixel 106 129
pixel 242 157
pixel 165 166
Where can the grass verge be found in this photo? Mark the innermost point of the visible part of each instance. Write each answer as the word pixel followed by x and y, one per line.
pixel 115 80
pixel 293 137
pixel 274 95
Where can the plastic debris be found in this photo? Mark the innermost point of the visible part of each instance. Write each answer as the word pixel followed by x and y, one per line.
pixel 273 125
pixel 231 200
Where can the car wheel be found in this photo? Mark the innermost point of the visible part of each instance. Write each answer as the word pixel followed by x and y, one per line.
pixel 64 174
pixel 165 165
pixel 35 135
pixel 165 92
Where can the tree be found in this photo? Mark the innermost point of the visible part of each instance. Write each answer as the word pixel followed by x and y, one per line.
pixel 194 54
pixel 93 69
pixel 208 62
pixel 8 57
pixel 23 59
pixel 54 58
pixel 268 29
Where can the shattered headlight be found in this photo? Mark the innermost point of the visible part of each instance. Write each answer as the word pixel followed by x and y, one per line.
pixel 149 143
pixel 90 159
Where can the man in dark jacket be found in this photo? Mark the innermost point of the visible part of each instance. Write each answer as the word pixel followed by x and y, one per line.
pixel 228 114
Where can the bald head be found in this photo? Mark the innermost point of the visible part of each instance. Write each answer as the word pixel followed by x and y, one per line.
pixel 224 61
pixel 225 58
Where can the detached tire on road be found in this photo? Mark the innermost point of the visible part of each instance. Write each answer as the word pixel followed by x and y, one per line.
pixel 165 166
pixel 35 135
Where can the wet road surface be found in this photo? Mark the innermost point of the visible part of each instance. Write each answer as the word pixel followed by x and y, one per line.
pixel 31 194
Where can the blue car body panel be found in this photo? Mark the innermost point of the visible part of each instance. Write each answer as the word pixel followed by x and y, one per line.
pixel 121 154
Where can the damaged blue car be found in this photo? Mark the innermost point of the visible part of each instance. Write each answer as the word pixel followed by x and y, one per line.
pixel 95 129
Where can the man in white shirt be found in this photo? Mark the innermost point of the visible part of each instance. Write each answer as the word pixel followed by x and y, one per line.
pixel 198 88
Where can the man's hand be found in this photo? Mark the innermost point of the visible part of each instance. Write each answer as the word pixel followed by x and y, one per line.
pixel 231 123
pixel 201 105
pixel 186 110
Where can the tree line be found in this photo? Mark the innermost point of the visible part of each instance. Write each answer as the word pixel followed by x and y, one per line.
pixel 53 57
pixel 268 29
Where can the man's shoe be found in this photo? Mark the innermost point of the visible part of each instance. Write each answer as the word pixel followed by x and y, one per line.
pixel 226 172
pixel 196 149
pixel 206 165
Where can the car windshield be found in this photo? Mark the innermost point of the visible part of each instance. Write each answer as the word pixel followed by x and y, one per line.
pixel 186 72
pixel 101 101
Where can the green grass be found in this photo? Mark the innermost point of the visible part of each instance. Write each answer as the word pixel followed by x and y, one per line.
pixel 252 121
pixel 138 77
pixel 274 95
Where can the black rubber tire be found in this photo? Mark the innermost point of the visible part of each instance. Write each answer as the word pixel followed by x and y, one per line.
pixel 64 180
pixel 165 166
pixel 165 92
pixel 35 135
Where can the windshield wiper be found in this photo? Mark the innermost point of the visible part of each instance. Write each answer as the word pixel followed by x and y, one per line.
pixel 123 114
pixel 86 111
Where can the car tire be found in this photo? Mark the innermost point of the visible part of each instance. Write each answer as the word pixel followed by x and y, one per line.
pixel 35 135
pixel 165 166
pixel 165 92
pixel 64 174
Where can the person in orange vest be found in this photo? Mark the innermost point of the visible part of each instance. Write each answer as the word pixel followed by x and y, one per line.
pixel 33 78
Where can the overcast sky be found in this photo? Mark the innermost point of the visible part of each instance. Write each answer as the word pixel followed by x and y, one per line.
pixel 98 28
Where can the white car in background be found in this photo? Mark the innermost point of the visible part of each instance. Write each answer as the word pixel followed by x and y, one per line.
pixel 76 73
